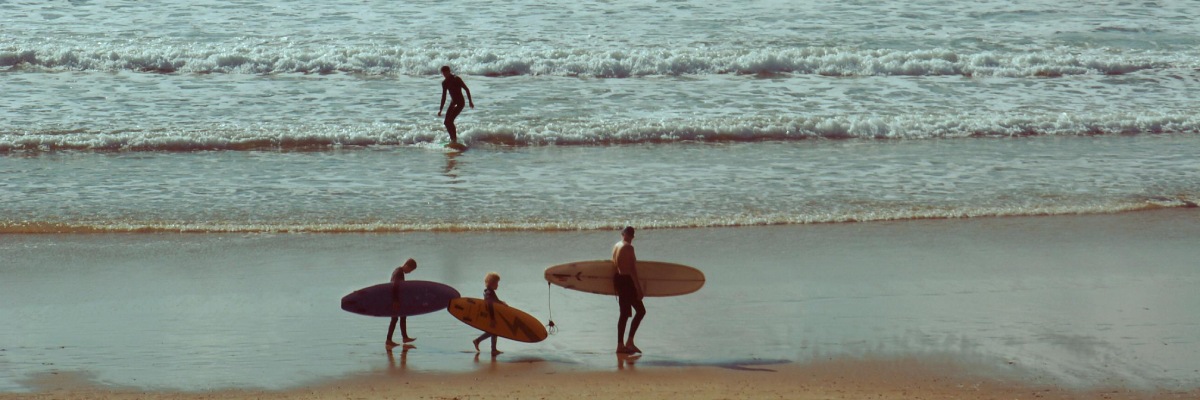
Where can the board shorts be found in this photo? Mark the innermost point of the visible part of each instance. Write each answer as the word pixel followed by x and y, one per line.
pixel 627 295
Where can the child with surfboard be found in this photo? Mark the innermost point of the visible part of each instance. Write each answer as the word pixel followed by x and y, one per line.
pixel 491 282
pixel 397 277
pixel 454 86
pixel 629 290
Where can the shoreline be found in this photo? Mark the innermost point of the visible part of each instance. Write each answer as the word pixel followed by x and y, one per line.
pixel 1151 205
pixel 849 378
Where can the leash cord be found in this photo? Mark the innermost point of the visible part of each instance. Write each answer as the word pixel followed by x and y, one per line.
pixel 550 327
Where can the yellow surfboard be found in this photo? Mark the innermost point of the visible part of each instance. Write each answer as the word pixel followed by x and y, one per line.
pixel 509 323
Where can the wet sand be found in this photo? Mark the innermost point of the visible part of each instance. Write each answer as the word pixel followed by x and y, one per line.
pixel 1053 307
pixel 840 379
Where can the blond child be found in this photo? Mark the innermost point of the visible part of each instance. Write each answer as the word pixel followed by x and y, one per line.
pixel 491 282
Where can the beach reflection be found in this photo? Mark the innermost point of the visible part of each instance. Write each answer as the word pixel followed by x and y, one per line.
pixel 402 367
pixel 627 361
pixel 491 365
pixel 451 169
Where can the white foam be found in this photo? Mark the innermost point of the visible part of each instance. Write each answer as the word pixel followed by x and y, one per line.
pixel 26 226
pixel 249 58
pixel 598 132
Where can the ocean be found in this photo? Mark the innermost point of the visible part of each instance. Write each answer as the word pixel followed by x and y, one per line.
pixel 316 116
pixel 126 123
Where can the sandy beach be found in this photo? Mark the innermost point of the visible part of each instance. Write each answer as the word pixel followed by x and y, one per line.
pixel 838 379
pixel 1087 306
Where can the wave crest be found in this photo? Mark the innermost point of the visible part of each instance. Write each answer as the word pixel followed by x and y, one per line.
pixel 280 58
pixel 592 132
pixel 95 227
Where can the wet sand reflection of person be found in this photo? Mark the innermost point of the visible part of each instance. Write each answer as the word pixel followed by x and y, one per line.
pixel 455 87
pixel 403 366
pixel 627 361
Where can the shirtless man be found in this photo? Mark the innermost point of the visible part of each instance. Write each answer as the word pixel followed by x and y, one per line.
pixel 629 290
pixel 455 86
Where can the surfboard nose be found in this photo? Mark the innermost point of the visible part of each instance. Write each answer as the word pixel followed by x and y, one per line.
pixel 351 304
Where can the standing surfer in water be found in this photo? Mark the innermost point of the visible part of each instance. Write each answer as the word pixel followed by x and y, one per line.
pixel 455 86
pixel 629 290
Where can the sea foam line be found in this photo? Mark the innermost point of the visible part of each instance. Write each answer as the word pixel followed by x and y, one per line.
pixel 276 58
pixel 101 227
pixel 584 132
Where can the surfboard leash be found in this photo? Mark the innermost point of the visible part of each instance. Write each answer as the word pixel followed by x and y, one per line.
pixel 550 327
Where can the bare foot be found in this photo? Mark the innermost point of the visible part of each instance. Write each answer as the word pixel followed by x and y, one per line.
pixel 632 348
pixel 476 343
pixel 496 352
pixel 391 344
pixel 410 339
pixel 623 350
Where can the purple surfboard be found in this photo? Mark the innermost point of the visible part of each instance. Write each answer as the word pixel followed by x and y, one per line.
pixel 416 298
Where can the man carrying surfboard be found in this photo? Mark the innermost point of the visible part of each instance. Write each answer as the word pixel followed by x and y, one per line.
pixel 397 277
pixel 629 290
pixel 455 86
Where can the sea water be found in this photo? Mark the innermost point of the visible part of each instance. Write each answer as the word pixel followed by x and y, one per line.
pixel 265 117
pixel 553 188
pixel 318 116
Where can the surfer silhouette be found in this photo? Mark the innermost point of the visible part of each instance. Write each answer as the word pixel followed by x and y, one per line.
pixel 455 86
pixel 492 281
pixel 629 290
pixel 397 277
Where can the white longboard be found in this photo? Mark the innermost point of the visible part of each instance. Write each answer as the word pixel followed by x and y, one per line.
pixel 659 279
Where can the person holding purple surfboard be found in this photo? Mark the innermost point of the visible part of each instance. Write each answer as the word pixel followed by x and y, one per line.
pixel 398 299
pixel 397 277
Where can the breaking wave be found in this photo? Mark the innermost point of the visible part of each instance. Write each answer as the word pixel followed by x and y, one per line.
pixel 591 132
pixel 94 227
pixel 283 58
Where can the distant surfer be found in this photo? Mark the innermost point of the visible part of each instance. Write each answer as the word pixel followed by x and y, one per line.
pixel 629 290
pixel 491 283
pixel 397 277
pixel 455 86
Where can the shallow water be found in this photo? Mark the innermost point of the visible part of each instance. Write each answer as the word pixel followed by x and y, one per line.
pixel 1077 300
pixel 570 188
